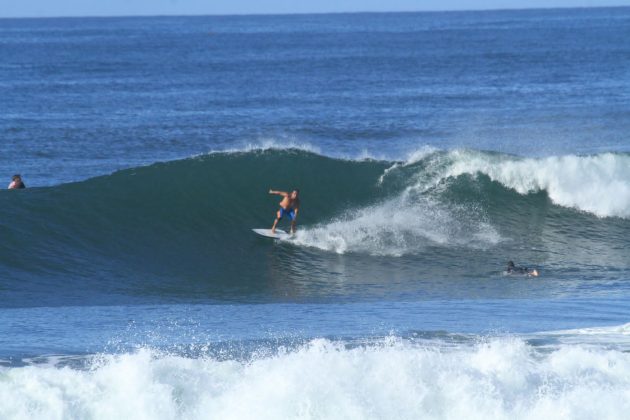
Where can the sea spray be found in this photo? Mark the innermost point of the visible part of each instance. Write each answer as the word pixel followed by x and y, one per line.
pixel 502 378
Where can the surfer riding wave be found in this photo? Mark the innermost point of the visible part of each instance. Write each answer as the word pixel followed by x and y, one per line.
pixel 289 206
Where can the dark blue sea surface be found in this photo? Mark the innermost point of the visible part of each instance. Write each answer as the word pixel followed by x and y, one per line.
pixel 429 148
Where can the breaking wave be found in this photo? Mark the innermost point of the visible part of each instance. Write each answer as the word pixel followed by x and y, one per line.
pixel 183 225
pixel 503 378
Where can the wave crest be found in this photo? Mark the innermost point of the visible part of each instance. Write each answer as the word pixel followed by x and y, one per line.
pixel 598 184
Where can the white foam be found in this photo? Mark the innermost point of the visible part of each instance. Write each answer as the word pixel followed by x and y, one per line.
pixel 402 225
pixel 280 144
pixel 598 184
pixel 615 330
pixel 266 144
pixel 397 157
pixel 412 157
pixel 617 336
pixel 419 154
pixel 499 379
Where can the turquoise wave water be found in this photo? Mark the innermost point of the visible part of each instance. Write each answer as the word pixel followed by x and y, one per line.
pixel 182 228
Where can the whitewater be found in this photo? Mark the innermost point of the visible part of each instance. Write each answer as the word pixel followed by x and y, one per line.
pixel 502 378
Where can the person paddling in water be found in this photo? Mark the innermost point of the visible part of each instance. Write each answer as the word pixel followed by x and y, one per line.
pixel 524 271
pixel 16 183
pixel 289 206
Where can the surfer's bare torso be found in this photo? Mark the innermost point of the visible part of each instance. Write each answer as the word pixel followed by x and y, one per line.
pixel 289 203
pixel 289 206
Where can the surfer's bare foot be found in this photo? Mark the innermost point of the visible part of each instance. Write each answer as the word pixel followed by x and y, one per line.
pixel 273 231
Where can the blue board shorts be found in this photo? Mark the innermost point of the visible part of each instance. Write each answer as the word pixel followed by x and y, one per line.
pixel 287 212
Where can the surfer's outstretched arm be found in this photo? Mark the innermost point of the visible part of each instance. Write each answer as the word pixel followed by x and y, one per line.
pixel 282 193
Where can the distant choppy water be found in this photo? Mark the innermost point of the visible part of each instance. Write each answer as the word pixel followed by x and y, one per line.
pixel 430 148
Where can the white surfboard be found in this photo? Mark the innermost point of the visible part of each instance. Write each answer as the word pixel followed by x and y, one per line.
pixel 280 234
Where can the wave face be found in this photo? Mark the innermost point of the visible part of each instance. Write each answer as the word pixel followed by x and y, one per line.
pixel 396 378
pixel 446 198
pixel 190 219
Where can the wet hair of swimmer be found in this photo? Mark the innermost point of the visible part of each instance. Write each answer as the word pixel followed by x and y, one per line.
pixel 510 264
pixel 16 177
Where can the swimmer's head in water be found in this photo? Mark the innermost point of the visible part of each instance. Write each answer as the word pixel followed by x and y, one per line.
pixel 17 177
pixel 510 264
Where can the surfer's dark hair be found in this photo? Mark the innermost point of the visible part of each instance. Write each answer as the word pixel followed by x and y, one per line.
pixel 16 176
pixel 510 263
pixel 296 190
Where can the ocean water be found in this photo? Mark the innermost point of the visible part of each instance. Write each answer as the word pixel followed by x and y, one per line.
pixel 429 148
